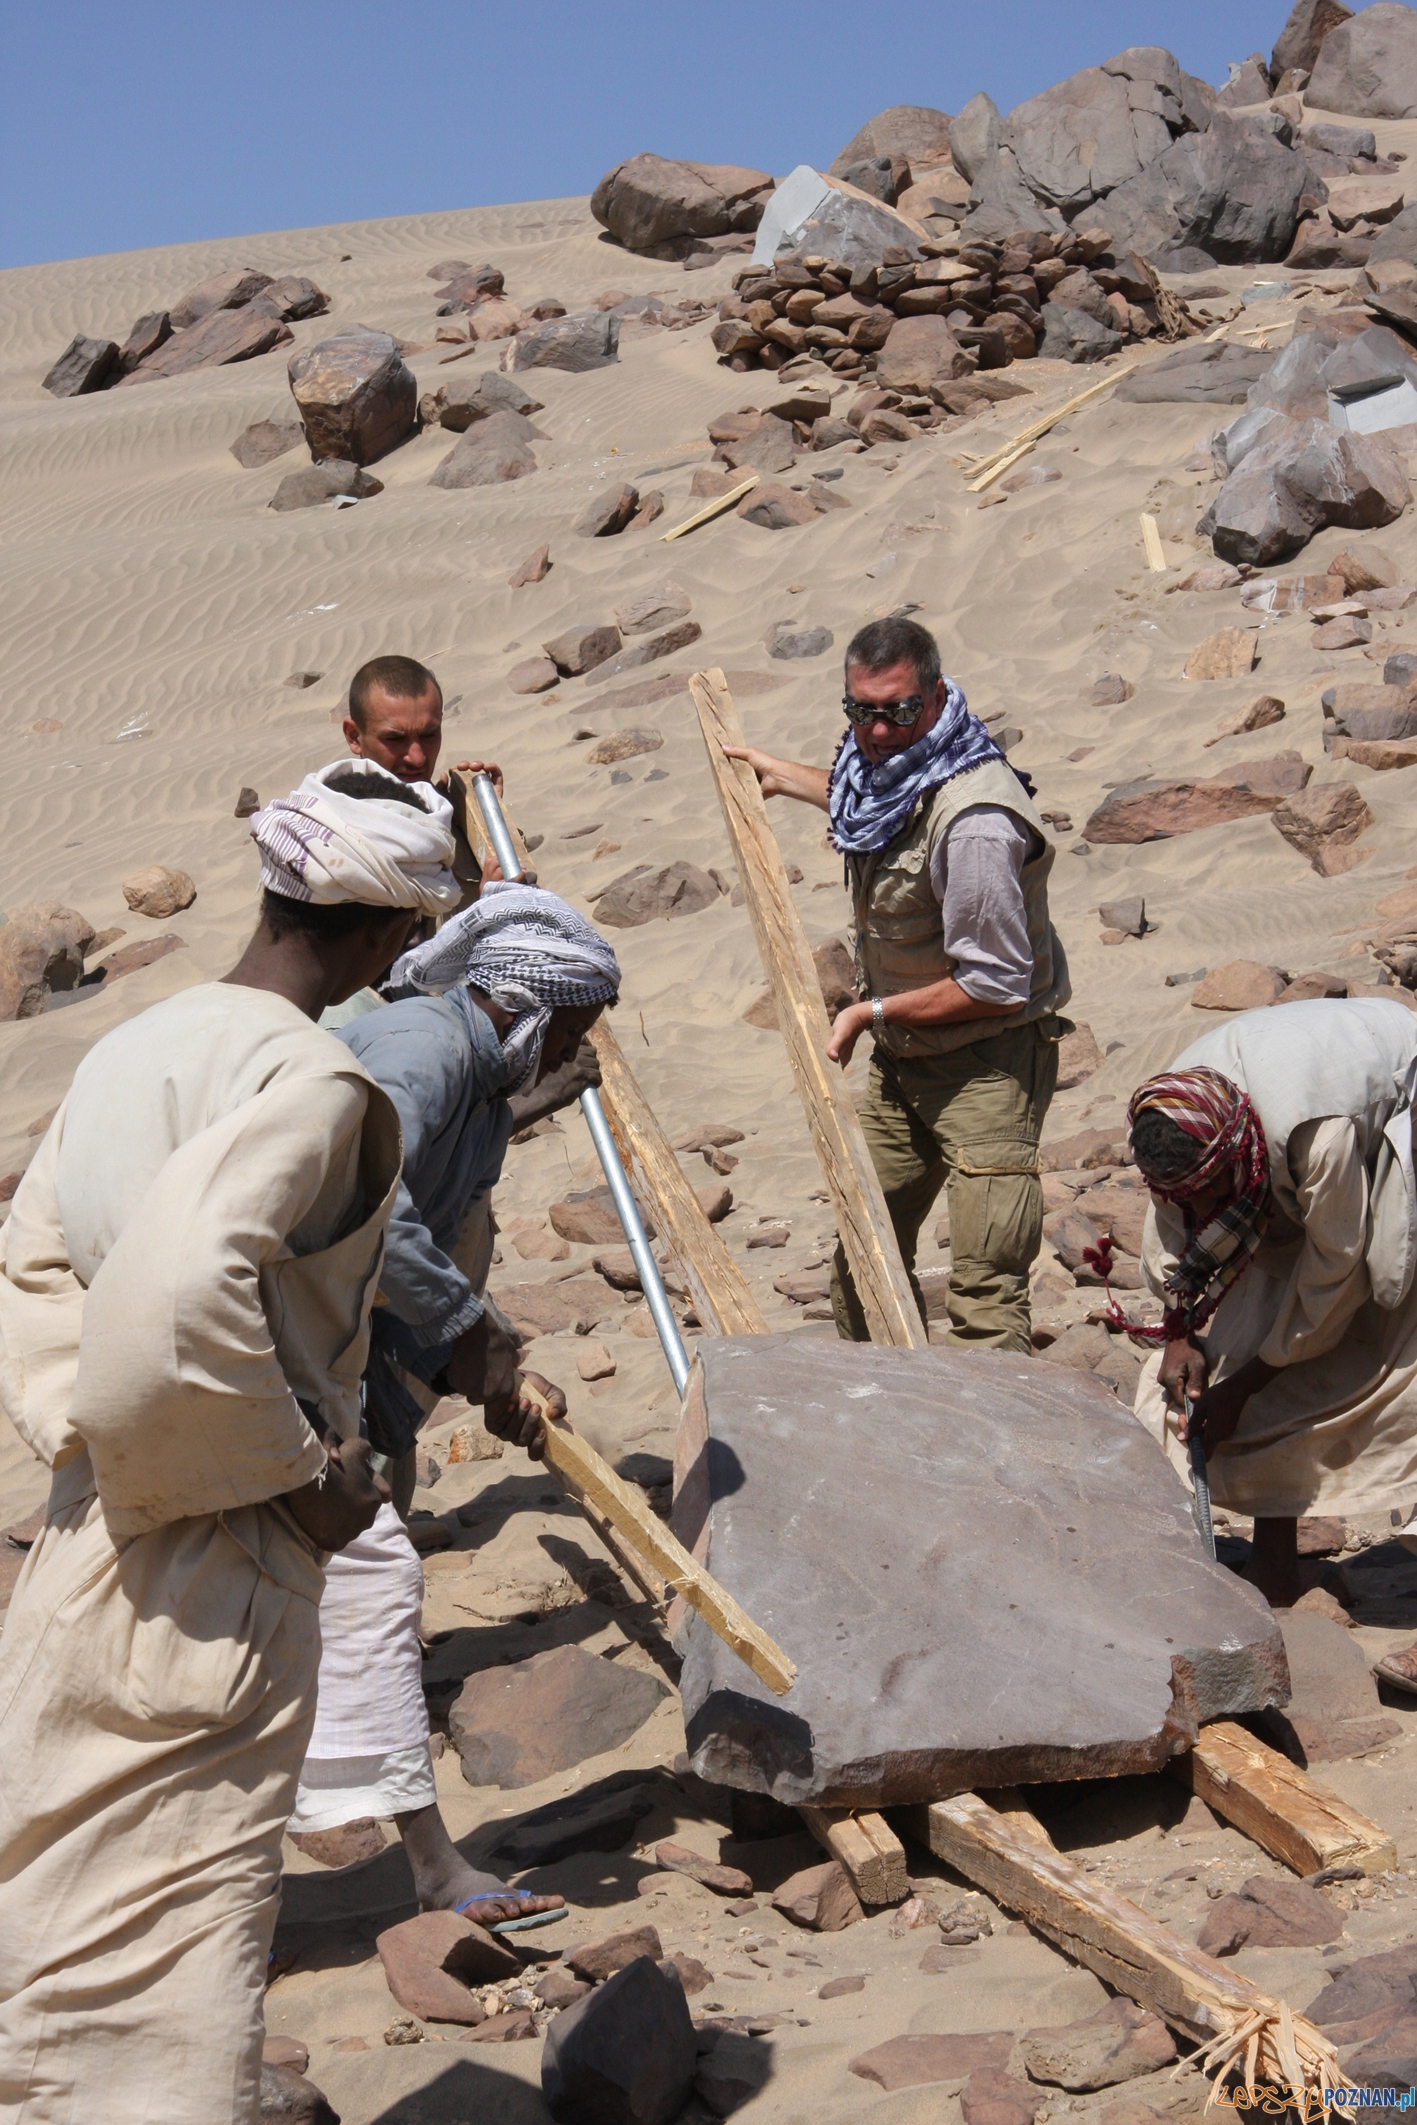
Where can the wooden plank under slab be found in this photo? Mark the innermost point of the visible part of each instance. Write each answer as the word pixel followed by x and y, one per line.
pixel 1281 1807
pixel 867 1848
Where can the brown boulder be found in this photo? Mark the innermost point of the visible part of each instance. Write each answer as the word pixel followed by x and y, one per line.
pixel 85 365
pixel 1240 985
pixel 682 635
pixel 148 333
pixel 725 1881
pixel 226 336
pixel 998 2099
pixel 1364 566
pixel 1078 1057
pixel 609 513
pixel 1228 655
pixel 653 610
pixel 1118 2044
pixel 769 446
pixel 589 1218
pixel 1269 1913
pixel 489 452
pixel 774 507
pixel 313 485
pixel 916 2061
pixel 287 2098
pixel 647 894
pixel 664 209
pixel 579 649
pixel 533 569
pixel 598 1960
pixel 515 1725
pixel 159 891
pixel 575 1304
pixel 1320 822
pixel 532 676
pixel 1152 811
pixel 919 352
pixel 430 1962
pixel 820 1898
pixel 293 296
pixel 42 950
pixel 222 291
pixel 836 976
pixel 357 397
pixel 265 440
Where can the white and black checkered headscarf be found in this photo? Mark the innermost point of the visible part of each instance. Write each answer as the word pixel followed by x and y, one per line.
pixel 528 951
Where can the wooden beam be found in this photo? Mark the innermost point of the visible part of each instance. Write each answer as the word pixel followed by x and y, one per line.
pixel 1041 426
pixel 1011 1807
pixel 866 1235
pixel 867 1848
pixel 714 508
pixel 1290 1814
pixel 1151 540
pixel 1131 1951
pixel 721 1294
pixel 628 1511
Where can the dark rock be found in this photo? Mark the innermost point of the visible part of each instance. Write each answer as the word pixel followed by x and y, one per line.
pixel 919 352
pixel 344 1847
pixel 609 513
pixel 1398 240
pixel 581 648
pixel 322 482
pixel 357 397
pixel 773 507
pixel 916 2061
pixel 784 640
pixel 224 337
pixel 771 1405
pixel 287 2098
pixel 1367 66
pixel 876 178
pixel 724 1881
pixel 836 977
pixel 767 447
pixel 558 1988
pixel 625 2055
pixel 515 1725
pixel 1000 203
pixel 1269 1913
pixel 223 291
pixel 837 1988
pixel 650 894
pixel 663 209
pixel 590 341
pixel 265 440
pixel 908 132
pixel 1298 478
pixel 431 1961
pixel 1370 1986
pixel 490 452
pixel 1345 141
pixel 681 636
pixel 598 1960
pixel 1088 134
pixel 1154 810
pixel 736 2069
pixel 575 1304
pixel 1128 915
pixel 1120 2043
pixel 513 2028
pixel 1072 336
pixel 1232 192
pixel 85 365
pixel 1333 1711
pixel 1249 83
pixel 43 946
pixel 247 803
pixel 465 399
pixel 294 297
pixel 148 334
pixel 286 2051
pixel 820 1898
pixel 588 1217
pixel 1300 40
pixel 1200 373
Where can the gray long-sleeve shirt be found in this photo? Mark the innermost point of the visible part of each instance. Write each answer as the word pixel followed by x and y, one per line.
pixel 977 876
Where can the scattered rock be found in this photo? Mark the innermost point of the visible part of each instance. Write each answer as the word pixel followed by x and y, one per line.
pixel 356 395
pixel 1070 335
pixel 1269 1913
pixel 43 946
pixel 1256 714
pixel 247 803
pixel 316 484
pixel 1118 2044
pixel 559 1989
pixel 682 635
pixel 648 894
pixel 1150 811
pixel 265 440
pixel 533 569
pixel 998 2099
pixel 287 2098
pixel 1078 1057
pixel 148 334
pixel 609 513
pixel 836 975
pixel 916 2061
pixel 1302 475
pixel 598 1960
pixel 588 1217
pixel 1200 373
pixel 286 2051
pixel 1320 823
pixel 85 365
pixel 489 452
pixel 774 507
pixel 724 1881
pixel 574 343
pixel 1228 655
pixel 581 648
pixel 1333 1712
pixel 292 297
pixel 784 640
pixel 653 610
pixel 1240 985
pixel 344 1847
pixel 532 676
pixel 594 1362
pixel 515 1725
pixel 226 336
pixel 820 1898
pixel 158 891
pixel 431 1961
pixel 625 745
pixel 231 290
pixel 574 1305
pixel 1110 691
pixel 624 2055
pixel 472 1442
pixel 837 1988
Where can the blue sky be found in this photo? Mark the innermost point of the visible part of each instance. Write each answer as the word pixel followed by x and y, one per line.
pixel 154 123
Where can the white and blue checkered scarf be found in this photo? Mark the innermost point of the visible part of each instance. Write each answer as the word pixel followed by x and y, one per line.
pixel 869 805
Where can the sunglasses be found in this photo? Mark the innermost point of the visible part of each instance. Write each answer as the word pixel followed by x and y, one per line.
pixel 899 712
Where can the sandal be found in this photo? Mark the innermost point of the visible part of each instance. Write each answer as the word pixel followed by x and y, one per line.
pixel 1398 1671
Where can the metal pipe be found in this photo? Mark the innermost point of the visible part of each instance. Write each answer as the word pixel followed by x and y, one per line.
pixel 621 1193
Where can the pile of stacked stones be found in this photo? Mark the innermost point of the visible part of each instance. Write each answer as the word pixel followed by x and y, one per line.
pixel 1000 297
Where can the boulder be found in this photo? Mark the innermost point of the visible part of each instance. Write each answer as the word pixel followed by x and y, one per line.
pixel 1299 42
pixel 1249 83
pixel 590 341
pixel 769 446
pixel 265 440
pixel 1200 373
pixel 85 365
pixel 918 2061
pixel 222 291
pixel 1240 985
pixel 588 1217
pixel 314 484
pixel 287 2098
pixel 532 676
pixel 1070 335
pixel 224 337
pixel 998 2099
pixel 42 951
pixel 149 332
pixel 463 400
pixel 653 609
pixel 515 1725
pixel 158 890
pixel 820 1898
pixel 1319 821
pixel 773 507
pixel 609 513
pixel 1118 2044
pixel 1000 203
pixel 784 640
pixel 1154 810
pixel 574 1306
pixel 907 132
pixel 1333 1711
pixel 1230 654
pixel 919 352
pixel 1300 476
pixel 579 649
pixel 595 1961
pixel 1398 241
pixel 533 569
pixel 357 397
pixel 975 135
pixel 680 636
pixel 1367 66
pixel 1085 136
pixel 649 894
pixel 1269 1913
pixel 1033 1455
pixel 1231 192
pixel 1367 199
pixel 663 209
pixel 624 2055
pixel 431 1961
pixel 293 296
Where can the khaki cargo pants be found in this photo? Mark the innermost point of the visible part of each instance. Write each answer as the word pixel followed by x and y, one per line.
pixel 970 1122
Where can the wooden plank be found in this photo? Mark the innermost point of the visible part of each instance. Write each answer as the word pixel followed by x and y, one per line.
pixel 1151 540
pixel 628 1511
pixel 721 1294
pixel 867 1848
pixel 1290 1814
pixel 1008 1803
pixel 1131 1951
pixel 995 467
pixel 714 508
pixel 1046 421
pixel 862 1221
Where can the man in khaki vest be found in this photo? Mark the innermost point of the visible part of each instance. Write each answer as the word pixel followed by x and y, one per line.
pixel 960 971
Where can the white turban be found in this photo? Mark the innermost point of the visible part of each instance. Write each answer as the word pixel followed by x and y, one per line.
pixel 528 951
pixel 353 831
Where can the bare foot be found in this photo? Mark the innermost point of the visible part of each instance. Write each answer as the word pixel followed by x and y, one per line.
pixel 445 1882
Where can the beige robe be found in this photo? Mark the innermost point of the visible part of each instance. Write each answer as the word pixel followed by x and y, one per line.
pixel 1336 1430
pixel 195 1244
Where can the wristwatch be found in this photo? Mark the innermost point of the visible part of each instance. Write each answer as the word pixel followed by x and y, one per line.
pixel 878 1017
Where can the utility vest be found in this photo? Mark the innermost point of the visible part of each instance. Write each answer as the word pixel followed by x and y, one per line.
pixel 899 934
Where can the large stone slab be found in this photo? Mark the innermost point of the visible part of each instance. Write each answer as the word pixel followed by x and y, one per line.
pixel 985 1570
